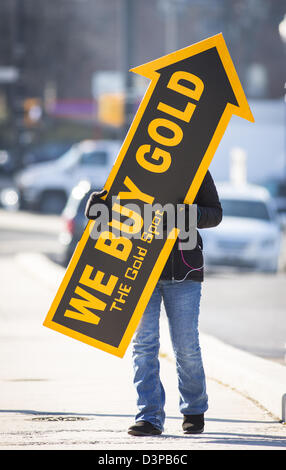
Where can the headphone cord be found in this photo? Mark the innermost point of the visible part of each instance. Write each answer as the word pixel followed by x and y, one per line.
pixel 184 261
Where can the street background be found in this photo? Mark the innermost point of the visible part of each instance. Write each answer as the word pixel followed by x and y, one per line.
pixel 64 80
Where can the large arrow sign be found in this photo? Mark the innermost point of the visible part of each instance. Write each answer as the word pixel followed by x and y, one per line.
pixel 164 158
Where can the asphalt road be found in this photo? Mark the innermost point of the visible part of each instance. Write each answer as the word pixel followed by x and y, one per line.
pixel 244 309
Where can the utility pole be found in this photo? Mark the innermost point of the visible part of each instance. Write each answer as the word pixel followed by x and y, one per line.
pixel 170 10
pixel 128 62
pixel 171 33
pixel 18 88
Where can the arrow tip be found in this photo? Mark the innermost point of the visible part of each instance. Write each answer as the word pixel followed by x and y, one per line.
pixel 244 112
pixel 242 109
pixel 145 70
pixel 152 69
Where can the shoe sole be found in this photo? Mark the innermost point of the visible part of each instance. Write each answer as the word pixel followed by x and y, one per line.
pixel 199 431
pixel 138 433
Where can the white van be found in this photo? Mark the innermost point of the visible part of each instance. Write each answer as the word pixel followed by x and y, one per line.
pixel 46 186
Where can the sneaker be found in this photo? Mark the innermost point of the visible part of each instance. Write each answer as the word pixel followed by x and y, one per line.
pixel 143 428
pixel 193 424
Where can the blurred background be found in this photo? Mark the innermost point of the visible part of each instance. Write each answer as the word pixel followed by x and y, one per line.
pixel 67 100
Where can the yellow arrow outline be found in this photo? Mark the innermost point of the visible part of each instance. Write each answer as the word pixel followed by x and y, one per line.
pixel 149 70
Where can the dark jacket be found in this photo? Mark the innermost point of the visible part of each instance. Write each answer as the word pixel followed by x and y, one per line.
pixel 181 263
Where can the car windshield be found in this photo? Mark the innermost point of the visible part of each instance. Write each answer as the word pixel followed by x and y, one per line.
pixel 245 208
pixel 74 155
pixel 69 158
pixel 94 158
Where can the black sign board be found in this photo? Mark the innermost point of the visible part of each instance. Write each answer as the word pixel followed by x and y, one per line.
pixel 192 95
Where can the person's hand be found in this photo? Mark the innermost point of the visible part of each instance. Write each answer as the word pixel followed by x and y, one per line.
pixel 94 198
pixel 186 213
pixel 187 210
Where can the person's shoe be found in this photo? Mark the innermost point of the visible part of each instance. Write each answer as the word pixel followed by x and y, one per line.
pixel 193 424
pixel 143 428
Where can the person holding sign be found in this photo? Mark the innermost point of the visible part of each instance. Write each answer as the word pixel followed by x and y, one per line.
pixel 180 289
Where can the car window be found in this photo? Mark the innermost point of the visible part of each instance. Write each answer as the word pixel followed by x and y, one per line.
pixel 245 208
pixel 282 190
pixel 276 189
pixel 94 158
pixel 68 159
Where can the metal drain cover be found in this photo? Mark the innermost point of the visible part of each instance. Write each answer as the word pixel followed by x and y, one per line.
pixel 60 418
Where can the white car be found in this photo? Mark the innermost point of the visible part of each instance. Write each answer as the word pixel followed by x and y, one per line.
pixel 250 233
pixel 46 186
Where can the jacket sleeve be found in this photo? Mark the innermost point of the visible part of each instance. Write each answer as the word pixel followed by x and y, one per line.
pixel 208 204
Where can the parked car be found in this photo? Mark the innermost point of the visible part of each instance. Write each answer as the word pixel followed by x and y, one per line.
pixel 74 220
pixel 9 198
pixel 8 162
pixel 45 152
pixel 47 186
pixel 249 235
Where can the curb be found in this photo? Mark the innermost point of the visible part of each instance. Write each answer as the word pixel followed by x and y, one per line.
pixel 29 222
pixel 259 379
pixel 256 378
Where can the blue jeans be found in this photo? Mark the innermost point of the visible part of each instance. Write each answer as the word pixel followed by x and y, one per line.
pixel 182 305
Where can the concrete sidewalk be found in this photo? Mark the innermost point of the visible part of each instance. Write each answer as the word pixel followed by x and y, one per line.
pixel 58 393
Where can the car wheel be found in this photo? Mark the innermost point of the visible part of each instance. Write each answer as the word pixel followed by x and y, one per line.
pixel 53 202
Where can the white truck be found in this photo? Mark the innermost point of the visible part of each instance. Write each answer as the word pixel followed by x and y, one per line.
pixel 46 186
